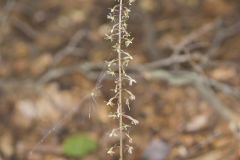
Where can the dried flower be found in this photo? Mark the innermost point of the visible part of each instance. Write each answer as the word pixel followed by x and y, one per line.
pixel 110 151
pixel 120 37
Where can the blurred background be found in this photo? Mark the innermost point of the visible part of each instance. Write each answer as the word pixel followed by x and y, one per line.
pixel 53 89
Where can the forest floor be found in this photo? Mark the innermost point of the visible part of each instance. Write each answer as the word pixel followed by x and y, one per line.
pixel 186 63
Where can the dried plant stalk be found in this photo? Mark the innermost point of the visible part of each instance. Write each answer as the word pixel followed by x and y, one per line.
pixel 120 80
pixel 121 38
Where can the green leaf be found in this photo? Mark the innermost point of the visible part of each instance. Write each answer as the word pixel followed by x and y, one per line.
pixel 79 145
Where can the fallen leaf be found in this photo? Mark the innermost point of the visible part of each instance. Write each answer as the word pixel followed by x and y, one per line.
pixel 197 123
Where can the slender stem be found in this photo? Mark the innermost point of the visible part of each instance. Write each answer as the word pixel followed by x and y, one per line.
pixel 120 80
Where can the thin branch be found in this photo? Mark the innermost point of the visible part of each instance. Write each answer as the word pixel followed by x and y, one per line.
pixel 70 47
pixel 202 86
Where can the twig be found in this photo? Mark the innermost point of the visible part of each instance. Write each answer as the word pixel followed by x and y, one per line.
pixel 85 68
pixel 25 28
pixel 70 47
pixel 220 36
pixel 172 60
pixel 193 36
pixel 200 83
pixel 176 58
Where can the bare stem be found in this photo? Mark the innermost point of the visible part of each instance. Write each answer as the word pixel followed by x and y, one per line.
pixel 120 80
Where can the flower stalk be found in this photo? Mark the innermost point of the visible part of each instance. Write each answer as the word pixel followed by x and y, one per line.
pixel 120 80
pixel 121 38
